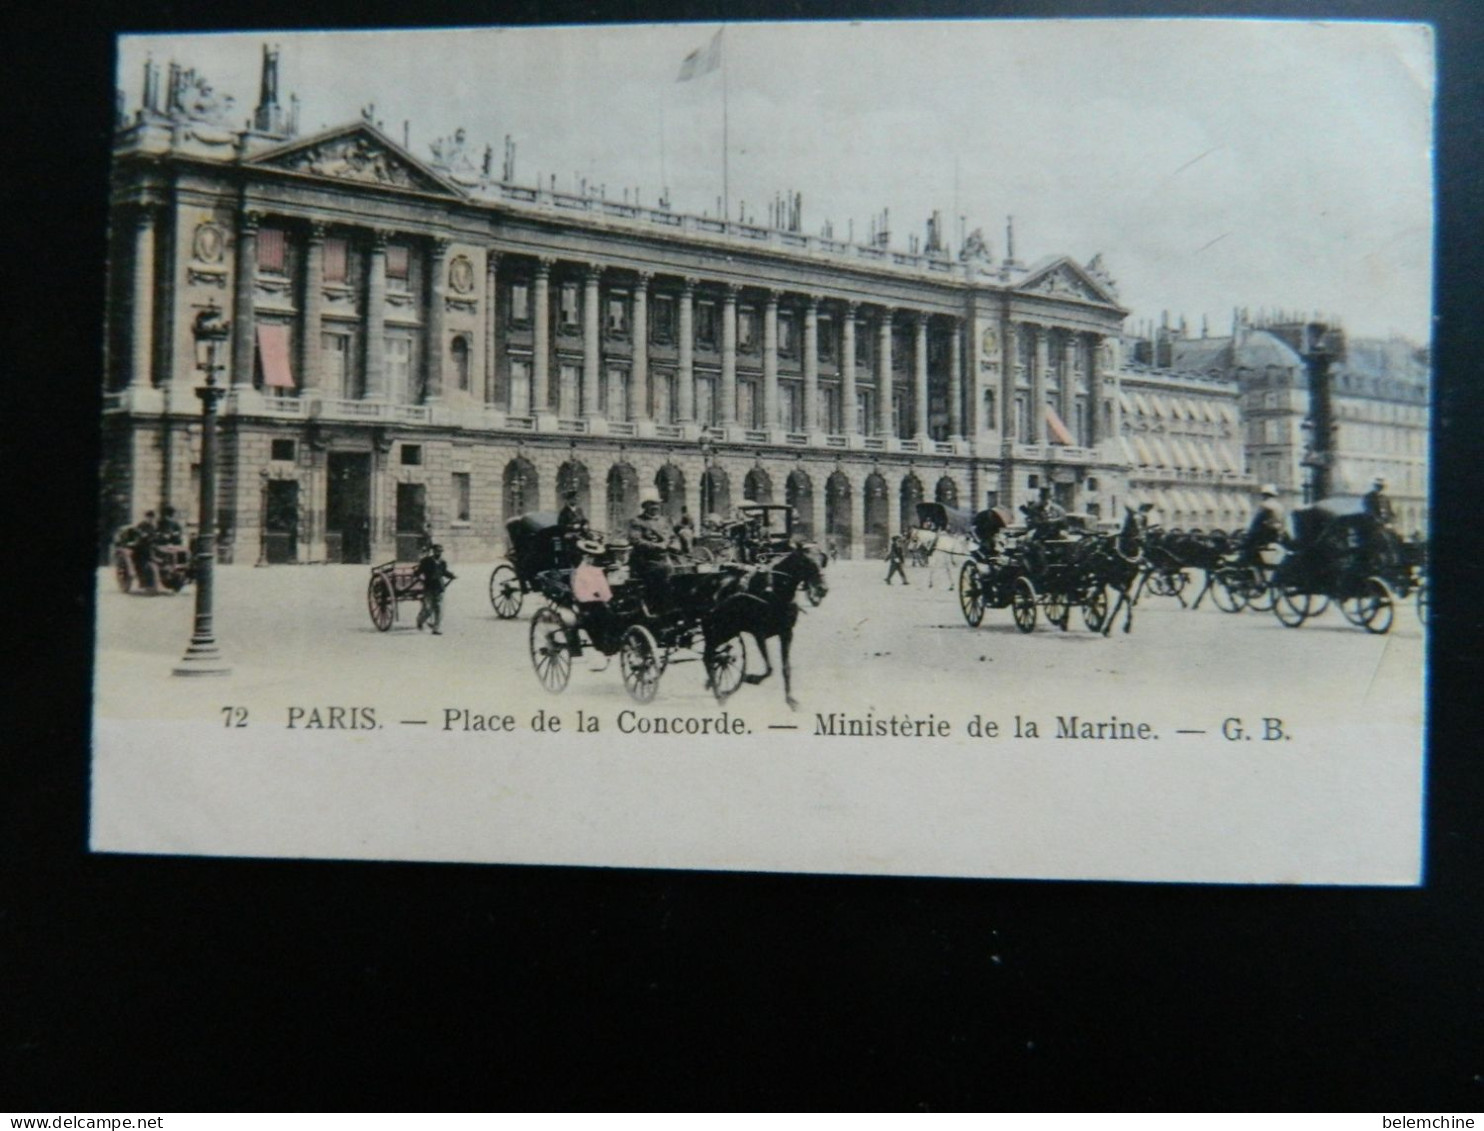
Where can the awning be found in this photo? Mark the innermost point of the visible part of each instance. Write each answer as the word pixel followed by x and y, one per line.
pixel 1160 405
pixel 1210 412
pixel 1060 433
pixel 1161 453
pixel 1213 504
pixel 273 355
pixel 1228 413
pixel 1128 451
pixel 1180 453
pixel 1146 459
pixel 1143 405
pixel 1177 408
pixel 1124 403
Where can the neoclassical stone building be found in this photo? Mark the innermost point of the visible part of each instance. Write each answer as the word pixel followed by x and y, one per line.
pixel 424 341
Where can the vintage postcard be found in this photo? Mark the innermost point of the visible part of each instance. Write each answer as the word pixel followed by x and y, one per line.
pixel 992 449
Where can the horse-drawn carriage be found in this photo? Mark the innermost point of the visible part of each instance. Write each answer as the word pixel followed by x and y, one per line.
pixel 1032 575
pixel 151 566
pixel 539 561
pixel 1350 559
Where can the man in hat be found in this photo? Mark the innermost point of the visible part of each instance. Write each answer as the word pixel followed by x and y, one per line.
pixel 1378 505
pixel 146 534
pixel 572 525
pixel 896 554
pixel 650 537
pixel 1266 527
pixel 1378 535
pixel 434 573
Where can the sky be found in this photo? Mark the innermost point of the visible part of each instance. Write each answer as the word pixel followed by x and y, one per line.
pixel 1214 164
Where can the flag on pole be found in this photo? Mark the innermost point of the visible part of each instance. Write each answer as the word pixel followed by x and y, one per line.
pixel 701 61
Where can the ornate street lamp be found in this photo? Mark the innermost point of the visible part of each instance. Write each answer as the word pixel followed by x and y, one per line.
pixel 202 656
pixel 707 443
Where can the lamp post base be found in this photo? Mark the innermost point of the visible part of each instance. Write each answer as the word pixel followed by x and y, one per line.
pixel 202 657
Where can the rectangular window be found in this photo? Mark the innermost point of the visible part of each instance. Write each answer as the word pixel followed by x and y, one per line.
pixel 520 388
pixel 461 496
pixel 272 251
pixel 398 265
pixel 340 374
pixel 664 397
pixel 337 261
pixel 412 455
pixel 706 324
pixel 568 382
pixel 616 406
pixel 747 404
pixel 862 346
pixel 520 303
pixel 399 368
pixel 790 405
pixel 570 307
pixel 865 409
pixel 662 315
pixel 617 318
pixel 788 340
pixel 990 423
pixel 825 333
pixel 706 400
pixel 746 329
pixel 282 451
pixel 830 407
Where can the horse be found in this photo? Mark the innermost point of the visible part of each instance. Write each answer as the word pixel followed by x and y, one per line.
pixel 1171 551
pixel 1117 560
pixel 763 607
pixel 938 550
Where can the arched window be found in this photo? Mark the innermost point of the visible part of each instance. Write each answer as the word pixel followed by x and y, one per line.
pixel 460 353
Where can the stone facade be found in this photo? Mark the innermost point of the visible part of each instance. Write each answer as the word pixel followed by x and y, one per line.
pixel 415 343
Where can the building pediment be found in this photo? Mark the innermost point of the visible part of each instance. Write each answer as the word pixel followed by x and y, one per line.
pixel 359 153
pixel 1063 278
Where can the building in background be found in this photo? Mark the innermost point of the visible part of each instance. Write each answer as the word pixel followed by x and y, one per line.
pixel 430 342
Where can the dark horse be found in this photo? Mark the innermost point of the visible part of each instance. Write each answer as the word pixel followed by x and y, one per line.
pixel 763 607
pixel 1117 561
pixel 1206 552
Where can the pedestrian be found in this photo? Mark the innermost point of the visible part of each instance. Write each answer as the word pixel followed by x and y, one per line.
pixel 145 536
pixel 435 575
pixel 896 554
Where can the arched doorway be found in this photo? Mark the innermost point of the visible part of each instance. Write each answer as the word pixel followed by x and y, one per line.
pixel 911 495
pixel 877 527
pixel 798 492
pixel 838 531
pixel 573 476
pixel 521 487
pixel 623 497
pixel 757 487
pixel 716 492
pixel 669 481
pixel 946 492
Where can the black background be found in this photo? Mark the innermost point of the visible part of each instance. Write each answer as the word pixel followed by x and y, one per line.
pixel 181 984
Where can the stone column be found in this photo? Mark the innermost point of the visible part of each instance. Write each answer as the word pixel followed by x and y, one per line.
pixel 920 377
pixel 811 365
pixel 1068 408
pixel 491 324
pixel 437 287
pixel 728 415
pixel 541 336
pixel 850 418
pixel 956 383
pixel 1090 343
pixel 640 328
pixel 376 320
pixel 592 345
pixel 685 393
pixel 1038 384
pixel 314 302
pixel 770 363
pixel 142 336
pixel 884 424
pixel 244 331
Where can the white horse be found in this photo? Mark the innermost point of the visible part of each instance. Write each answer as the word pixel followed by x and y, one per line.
pixel 941 551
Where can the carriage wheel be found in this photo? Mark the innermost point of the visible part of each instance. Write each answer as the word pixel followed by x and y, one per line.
pixel 1176 582
pixel 1378 606
pixel 505 593
pixel 724 670
pixel 970 594
pixel 1291 606
pixel 1228 592
pixel 1095 609
pixel 639 659
pixel 1023 604
pixel 381 602
pixel 122 572
pixel 551 655
pixel 701 556
pixel 1262 594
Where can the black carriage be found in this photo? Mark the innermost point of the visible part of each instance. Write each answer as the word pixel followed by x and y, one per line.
pixel 539 560
pixel 1029 575
pixel 169 567
pixel 646 633
pixel 1346 557
pixel 935 520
